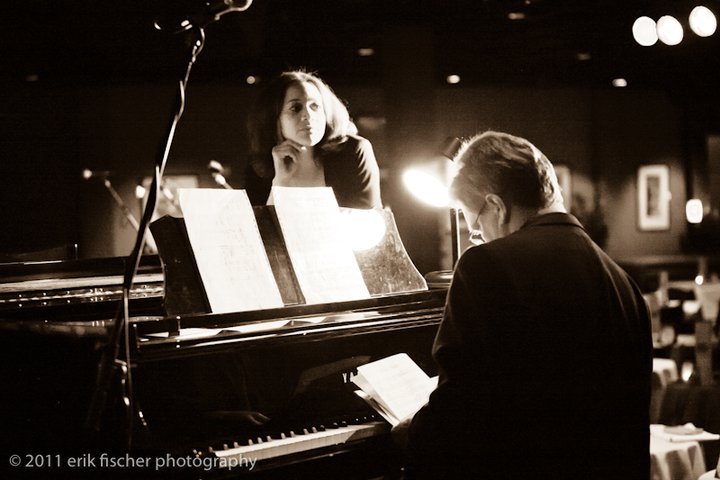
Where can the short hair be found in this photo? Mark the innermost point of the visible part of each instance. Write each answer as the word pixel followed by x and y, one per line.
pixel 508 166
pixel 263 120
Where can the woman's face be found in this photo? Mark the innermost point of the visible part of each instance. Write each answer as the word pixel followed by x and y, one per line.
pixel 302 118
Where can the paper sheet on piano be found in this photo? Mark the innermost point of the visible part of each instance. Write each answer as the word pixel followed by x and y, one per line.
pixel 228 250
pixel 395 386
pixel 324 264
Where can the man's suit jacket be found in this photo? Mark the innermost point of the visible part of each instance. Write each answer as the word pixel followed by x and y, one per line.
pixel 545 357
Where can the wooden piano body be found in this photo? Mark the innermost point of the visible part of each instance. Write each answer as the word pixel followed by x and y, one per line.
pixel 200 381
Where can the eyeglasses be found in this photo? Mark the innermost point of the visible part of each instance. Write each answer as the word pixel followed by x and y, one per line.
pixel 476 237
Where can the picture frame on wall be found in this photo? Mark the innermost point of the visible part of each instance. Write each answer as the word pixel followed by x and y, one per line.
pixel 653 197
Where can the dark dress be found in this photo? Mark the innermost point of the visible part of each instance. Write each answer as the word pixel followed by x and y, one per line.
pixel 350 169
pixel 545 360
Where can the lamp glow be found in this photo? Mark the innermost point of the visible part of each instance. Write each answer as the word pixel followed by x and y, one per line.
pixel 363 229
pixel 426 188
pixel 140 191
pixel 669 30
pixel 702 21
pixel 645 31
pixel 694 210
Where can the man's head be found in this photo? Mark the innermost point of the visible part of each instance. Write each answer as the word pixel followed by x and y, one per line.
pixel 502 181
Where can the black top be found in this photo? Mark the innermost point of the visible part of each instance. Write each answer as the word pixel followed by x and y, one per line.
pixel 545 358
pixel 350 169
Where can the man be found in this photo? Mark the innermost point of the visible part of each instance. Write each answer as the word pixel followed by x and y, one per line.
pixel 544 351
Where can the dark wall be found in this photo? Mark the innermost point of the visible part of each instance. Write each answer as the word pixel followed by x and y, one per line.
pixel 38 187
pixel 51 133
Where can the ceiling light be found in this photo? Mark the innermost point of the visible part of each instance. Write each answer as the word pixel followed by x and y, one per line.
pixel 583 56
pixel 452 79
pixel 669 30
pixel 702 21
pixel 516 16
pixel 619 82
pixel 645 31
pixel 366 52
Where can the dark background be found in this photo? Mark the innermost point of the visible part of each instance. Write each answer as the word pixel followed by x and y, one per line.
pixel 89 84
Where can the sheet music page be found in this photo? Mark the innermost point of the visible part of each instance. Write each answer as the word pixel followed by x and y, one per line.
pixel 324 264
pixel 397 383
pixel 228 249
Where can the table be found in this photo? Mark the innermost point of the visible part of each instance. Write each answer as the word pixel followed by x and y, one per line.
pixel 675 460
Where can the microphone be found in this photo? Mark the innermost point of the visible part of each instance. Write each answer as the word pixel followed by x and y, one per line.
pixel 217 171
pixel 206 13
pixel 87 174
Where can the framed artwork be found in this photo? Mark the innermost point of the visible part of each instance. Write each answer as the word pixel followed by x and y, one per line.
pixel 653 201
pixel 564 179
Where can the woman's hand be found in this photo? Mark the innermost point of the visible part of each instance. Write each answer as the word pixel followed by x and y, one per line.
pixel 295 166
pixel 285 158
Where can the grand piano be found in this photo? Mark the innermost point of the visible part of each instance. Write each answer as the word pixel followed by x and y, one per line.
pixel 256 394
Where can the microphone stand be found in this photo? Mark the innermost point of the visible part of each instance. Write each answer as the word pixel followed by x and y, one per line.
pixel 110 361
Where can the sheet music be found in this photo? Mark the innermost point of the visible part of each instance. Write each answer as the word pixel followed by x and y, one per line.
pixel 397 384
pixel 228 250
pixel 324 264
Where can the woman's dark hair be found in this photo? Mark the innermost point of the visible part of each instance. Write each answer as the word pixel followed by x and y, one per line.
pixel 263 121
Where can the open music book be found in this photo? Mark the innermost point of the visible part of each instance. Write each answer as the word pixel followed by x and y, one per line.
pixel 396 387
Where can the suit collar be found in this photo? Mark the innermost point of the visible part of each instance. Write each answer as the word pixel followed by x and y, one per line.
pixel 553 219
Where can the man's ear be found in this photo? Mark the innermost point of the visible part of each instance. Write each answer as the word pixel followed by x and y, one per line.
pixel 497 203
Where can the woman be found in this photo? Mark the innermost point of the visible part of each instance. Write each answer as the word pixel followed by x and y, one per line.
pixel 301 135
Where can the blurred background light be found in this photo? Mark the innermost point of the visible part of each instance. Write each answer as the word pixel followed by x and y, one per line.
pixel 669 30
pixel 694 210
pixel 645 31
pixel 453 79
pixel 702 21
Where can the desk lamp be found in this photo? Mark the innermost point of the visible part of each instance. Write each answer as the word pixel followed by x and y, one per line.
pixel 434 192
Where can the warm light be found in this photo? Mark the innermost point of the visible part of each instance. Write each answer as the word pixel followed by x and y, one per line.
pixel 645 31
pixel 366 52
pixel 453 79
pixel 516 16
pixel 139 191
pixel 619 82
pixel 583 56
pixel 426 188
pixel 251 79
pixel 669 30
pixel 686 371
pixel 694 210
pixel 702 21
pixel 699 279
pixel 363 229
